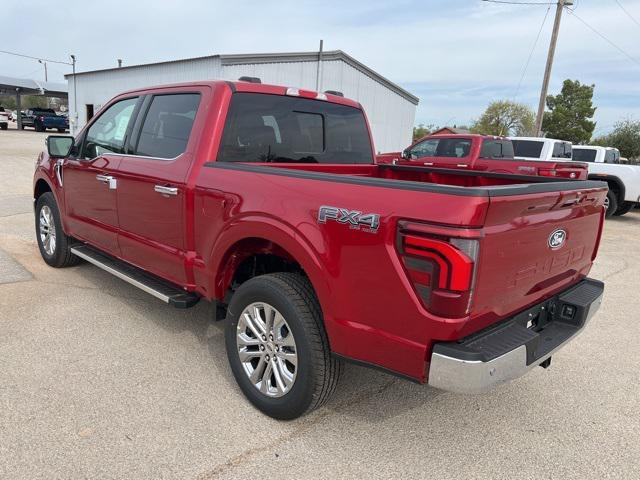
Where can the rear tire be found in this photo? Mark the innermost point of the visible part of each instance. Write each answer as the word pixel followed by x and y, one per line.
pixel 623 208
pixel 611 203
pixel 54 245
pixel 290 302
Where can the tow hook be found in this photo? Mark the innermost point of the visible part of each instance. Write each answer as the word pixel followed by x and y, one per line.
pixel 546 363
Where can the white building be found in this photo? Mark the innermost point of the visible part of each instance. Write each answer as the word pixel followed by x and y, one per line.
pixel 390 109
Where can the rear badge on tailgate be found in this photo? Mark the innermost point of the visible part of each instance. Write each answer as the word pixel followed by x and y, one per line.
pixel 368 222
pixel 557 238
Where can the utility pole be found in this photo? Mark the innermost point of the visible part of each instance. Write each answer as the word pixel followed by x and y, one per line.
pixel 319 71
pixel 547 71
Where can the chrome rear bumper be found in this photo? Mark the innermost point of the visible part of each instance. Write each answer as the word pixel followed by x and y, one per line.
pixel 510 349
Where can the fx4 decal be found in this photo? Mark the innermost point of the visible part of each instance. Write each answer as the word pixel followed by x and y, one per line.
pixel 356 220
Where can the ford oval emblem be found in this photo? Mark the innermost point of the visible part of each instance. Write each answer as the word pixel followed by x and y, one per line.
pixel 557 238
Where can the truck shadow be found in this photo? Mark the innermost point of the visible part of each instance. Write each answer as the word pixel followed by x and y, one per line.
pixel 366 395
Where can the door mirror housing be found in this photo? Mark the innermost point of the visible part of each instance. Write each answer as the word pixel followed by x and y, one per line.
pixel 406 154
pixel 59 146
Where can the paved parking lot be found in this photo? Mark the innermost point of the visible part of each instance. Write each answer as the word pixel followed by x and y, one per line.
pixel 100 380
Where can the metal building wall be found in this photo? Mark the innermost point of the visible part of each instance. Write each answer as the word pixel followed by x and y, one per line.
pixel 96 88
pixel 390 115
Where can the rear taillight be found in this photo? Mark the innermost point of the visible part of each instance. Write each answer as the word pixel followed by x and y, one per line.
pixel 547 172
pixel 442 270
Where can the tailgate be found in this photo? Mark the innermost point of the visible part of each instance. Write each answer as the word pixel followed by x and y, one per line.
pixel 573 170
pixel 534 245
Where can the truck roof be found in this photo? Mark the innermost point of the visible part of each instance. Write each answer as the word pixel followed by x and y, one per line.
pixel 240 86
pixel 539 139
pixel 592 147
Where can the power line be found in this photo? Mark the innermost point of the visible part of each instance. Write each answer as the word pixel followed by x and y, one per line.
pixel 519 3
pixel 34 58
pixel 526 66
pixel 604 38
pixel 628 14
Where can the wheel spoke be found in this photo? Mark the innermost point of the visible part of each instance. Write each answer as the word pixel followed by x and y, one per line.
pixel 248 355
pixel 257 318
pixel 257 373
pixel 290 357
pixel 278 375
pixel 248 320
pixel 246 341
pixel 266 377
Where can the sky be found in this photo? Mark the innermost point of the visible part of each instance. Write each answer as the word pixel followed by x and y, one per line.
pixel 455 55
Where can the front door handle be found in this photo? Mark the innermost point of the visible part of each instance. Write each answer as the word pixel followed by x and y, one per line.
pixel 164 190
pixel 109 180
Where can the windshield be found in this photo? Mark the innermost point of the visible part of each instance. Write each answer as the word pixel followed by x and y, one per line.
pixel 527 148
pixel 584 155
pixel 275 128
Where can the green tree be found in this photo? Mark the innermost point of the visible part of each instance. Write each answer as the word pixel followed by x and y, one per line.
pixel 505 117
pixel 570 113
pixel 625 136
pixel 421 130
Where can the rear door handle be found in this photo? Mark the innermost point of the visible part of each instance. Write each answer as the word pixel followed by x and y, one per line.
pixel 164 190
pixel 109 180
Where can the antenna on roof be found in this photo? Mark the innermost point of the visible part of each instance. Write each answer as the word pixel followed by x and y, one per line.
pixel 250 79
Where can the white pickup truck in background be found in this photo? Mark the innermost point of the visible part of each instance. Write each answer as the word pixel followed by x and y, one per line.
pixel 539 148
pixel 624 180
pixel 4 119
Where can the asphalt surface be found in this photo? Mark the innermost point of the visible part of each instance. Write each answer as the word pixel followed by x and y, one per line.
pixel 100 380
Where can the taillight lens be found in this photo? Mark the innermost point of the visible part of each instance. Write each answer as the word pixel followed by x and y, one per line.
pixel 547 172
pixel 442 271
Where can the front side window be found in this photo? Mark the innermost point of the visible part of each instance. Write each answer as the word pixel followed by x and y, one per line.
pixel 584 155
pixel 276 128
pixel 527 148
pixel 442 147
pixel 167 125
pixel 107 133
pixel 496 149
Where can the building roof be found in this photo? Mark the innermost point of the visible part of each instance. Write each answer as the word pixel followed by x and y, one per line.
pixel 29 86
pixel 452 130
pixel 287 57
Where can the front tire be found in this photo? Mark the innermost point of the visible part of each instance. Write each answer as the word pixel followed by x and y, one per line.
pixel 610 204
pixel 277 346
pixel 54 245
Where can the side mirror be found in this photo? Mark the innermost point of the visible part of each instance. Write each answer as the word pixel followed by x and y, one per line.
pixel 59 146
pixel 406 154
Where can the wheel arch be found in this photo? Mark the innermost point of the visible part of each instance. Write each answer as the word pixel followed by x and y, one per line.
pixel 615 184
pixel 266 240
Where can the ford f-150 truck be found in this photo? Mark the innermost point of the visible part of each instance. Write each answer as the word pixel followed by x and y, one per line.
pixel 623 180
pixel 42 119
pixel 480 152
pixel 267 202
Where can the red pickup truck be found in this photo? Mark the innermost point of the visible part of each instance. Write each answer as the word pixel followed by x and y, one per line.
pixel 267 202
pixel 479 152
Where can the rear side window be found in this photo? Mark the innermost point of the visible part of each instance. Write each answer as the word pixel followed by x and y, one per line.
pixel 562 150
pixel 584 155
pixel 167 125
pixel 496 149
pixel 612 156
pixel 275 128
pixel 527 148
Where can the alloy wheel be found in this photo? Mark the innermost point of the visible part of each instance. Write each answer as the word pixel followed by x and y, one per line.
pixel 267 349
pixel 47 230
